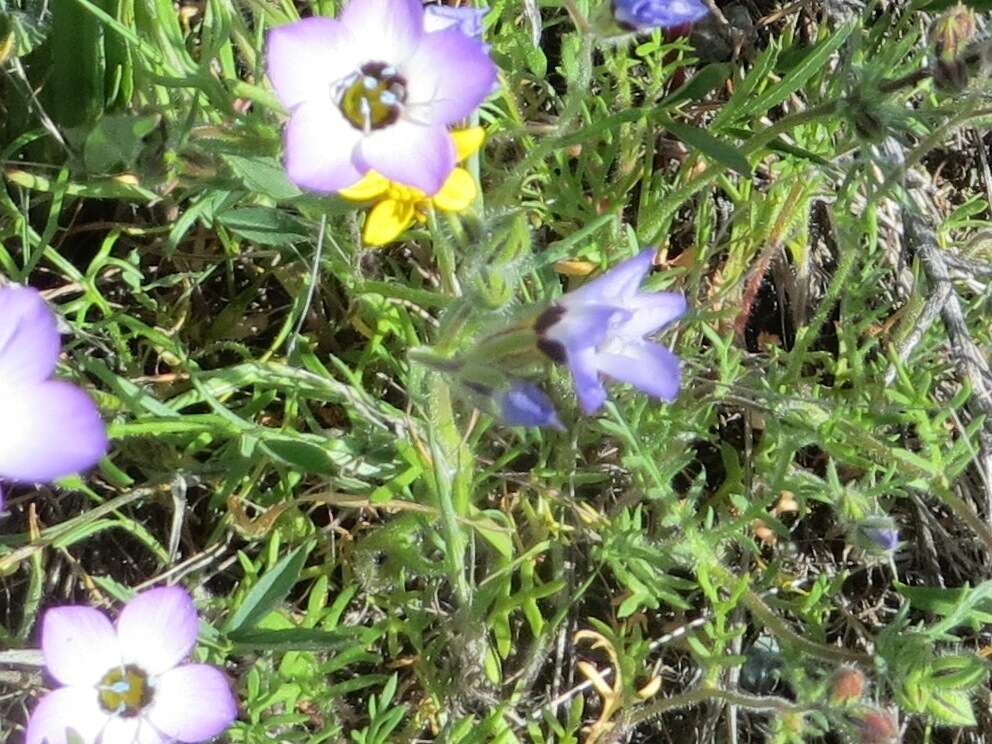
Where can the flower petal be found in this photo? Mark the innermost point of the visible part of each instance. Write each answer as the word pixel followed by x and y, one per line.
pixel 192 703
pixel 307 58
pixel 320 146
pixel 580 325
pixel 371 186
pixel 650 312
pixel 120 730
pixel 411 154
pixel 649 367
pixel 387 30
pixel 588 387
pixel 647 14
pixel 75 708
pixel 387 220
pixel 458 192
pixel 157 629
pixel 29 336
pixel 467 141
pixel 447 78
pixel 50 429
pixel 79 645
pixel 525 404
pixel 467 20
pixel 617 284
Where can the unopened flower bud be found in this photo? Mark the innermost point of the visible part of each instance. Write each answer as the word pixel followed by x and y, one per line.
pixel 950 37
pixel 846 686
pixel 877 535
pixel 525 404
pixel 878 727
pixel 644 15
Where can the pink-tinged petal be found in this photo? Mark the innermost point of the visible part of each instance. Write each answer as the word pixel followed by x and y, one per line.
pixel 588 387
pixel 388 30
pixel 306 59
pixel 410 154
pixel 617 284
pixel 157 629
pixel 79 644
pixel 447 78
pixel 192 703
pixel 50 430
pixel 120 730
pixel 649 367
pixel 29 337
pixel 320 146
pixel 75 708
pixel 651 312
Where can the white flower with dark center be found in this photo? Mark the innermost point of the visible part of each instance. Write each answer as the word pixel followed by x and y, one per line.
pixel 374 90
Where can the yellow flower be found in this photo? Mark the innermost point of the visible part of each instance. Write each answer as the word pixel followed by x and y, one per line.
pixel 398 206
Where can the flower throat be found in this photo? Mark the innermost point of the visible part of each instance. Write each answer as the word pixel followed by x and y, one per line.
pixel 125 691
pixel 373 97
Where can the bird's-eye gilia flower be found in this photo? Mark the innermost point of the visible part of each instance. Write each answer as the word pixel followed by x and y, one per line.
pixel 373 90
pixel 466 19
pixel 50 428
pixel 397 206
pixel 126 684
pixel 643 15
pixel 602 328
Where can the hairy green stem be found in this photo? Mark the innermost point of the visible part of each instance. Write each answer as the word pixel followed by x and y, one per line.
pixel 755 703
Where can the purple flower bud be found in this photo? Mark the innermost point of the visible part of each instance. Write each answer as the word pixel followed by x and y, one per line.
pixel 524 404
pixel 643 15
pixel 467 20
pixel 878 534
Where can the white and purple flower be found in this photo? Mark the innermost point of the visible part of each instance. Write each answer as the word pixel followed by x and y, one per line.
pixel 603 327
pixel 125 684
pixel 466 19
pixel 50 428
pixel 375 90
pixel 643 15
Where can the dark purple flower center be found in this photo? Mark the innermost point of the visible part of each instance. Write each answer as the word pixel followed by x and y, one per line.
pixel 124 691
pixel 373 97
pixel 551 348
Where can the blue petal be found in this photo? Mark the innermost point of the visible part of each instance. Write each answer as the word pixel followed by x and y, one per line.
pixel 588 387
pixel 649 367
pixel 525 404
pixel 615 285
pixel 647 14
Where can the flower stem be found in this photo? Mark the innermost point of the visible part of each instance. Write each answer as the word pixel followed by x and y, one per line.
pixel 755 703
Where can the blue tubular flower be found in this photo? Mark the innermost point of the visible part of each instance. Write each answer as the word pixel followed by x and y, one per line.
pixel 524 404
pixel 643 15
pixel 602 328
pixel 878 534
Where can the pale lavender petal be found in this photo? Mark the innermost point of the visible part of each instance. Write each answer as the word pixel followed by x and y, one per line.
pixel 617 284
pixel 50 430
pixel 651 312
pixel 320 146
pixel 157 629
pixel 448 76
pixel 79 645
pixel 305 59
pixel 389 30
pixel 466 19
pixel 192 703
pixel 649 367
pixel 581 325
pixel 75 708
pixel 120 730
pixel 410 154
pixel 29 336
pixel 585 378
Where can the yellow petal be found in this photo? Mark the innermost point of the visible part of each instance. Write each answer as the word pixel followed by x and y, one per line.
pixel 371 186
pixel 457 192
pixel 467 141
pixel 386 221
